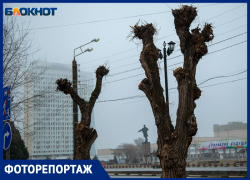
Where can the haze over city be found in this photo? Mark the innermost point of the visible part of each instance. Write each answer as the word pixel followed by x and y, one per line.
pixel 122 109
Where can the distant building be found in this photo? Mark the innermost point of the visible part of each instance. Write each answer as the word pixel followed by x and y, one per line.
pixel 108 155
pixel 105 154
pixel 48 129
pixel 230 131
pixel 233 131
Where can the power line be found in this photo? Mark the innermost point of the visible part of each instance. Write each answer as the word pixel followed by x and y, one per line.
pixel 105 20
pixel 115 19
pixel 215 78
pixel 166 36
pixel 138 96
pixel 108 56
pixel 114 61
pixel 227 47
pixel 225 12
pixel 158 39
pixel 227 39
pixel 125 65
pixel 215 84
pixel 173 58
pixel 221 77
pixel 136 101
pixel 176 51
pixel 58 110
pixel 179 55
pixel 126 71
pixel 227 73
pixel 124 78
pixel 175 64
pixel 230 21
pixel 210 5
pixel 230 30
pixel 169 58
pixel 223 83
pixel 223 40
pixel 142 96
pixel 133 97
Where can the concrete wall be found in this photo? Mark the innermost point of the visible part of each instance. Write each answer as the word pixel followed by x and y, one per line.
pixel 101 152
pixel 232 130
pixel 232 134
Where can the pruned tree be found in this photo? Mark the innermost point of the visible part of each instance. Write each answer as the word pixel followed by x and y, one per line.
pixel 173 142
pixel 85 135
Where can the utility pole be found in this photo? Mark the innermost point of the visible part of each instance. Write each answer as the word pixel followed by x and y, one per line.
pixel 74 79
pixel 75 109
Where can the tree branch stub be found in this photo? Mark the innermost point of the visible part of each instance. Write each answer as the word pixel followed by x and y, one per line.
pixel 85 135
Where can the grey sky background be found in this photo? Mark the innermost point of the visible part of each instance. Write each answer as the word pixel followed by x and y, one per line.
pixel 119 121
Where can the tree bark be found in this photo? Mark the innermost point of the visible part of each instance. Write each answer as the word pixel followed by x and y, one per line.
pixel 85 136
pixel 173 142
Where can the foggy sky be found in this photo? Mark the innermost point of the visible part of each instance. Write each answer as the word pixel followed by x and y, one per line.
pixel 119 121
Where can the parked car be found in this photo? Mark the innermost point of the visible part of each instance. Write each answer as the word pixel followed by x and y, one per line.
pixel 156 165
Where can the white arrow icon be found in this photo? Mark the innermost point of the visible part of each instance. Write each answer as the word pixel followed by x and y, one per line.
pixel 6 135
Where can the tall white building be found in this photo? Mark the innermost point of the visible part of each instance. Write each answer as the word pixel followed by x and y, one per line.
pixel 48 119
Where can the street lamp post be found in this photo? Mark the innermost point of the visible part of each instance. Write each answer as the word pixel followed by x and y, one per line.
pixel 74 79
pixel 170 49
pixel 228 139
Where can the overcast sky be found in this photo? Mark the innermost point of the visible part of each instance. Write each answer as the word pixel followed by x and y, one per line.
pixel 119 121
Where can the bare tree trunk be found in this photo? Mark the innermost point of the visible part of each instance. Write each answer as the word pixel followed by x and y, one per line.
pixel 173 142
pixel 85 136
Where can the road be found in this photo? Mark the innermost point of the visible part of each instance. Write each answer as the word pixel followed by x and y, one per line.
pixel 187 169
pixel 141 177
pixel 134 176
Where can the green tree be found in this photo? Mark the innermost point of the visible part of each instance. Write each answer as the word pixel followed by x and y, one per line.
pixel 17 146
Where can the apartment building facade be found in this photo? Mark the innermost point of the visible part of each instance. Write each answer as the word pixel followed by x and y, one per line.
pixel 48 115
